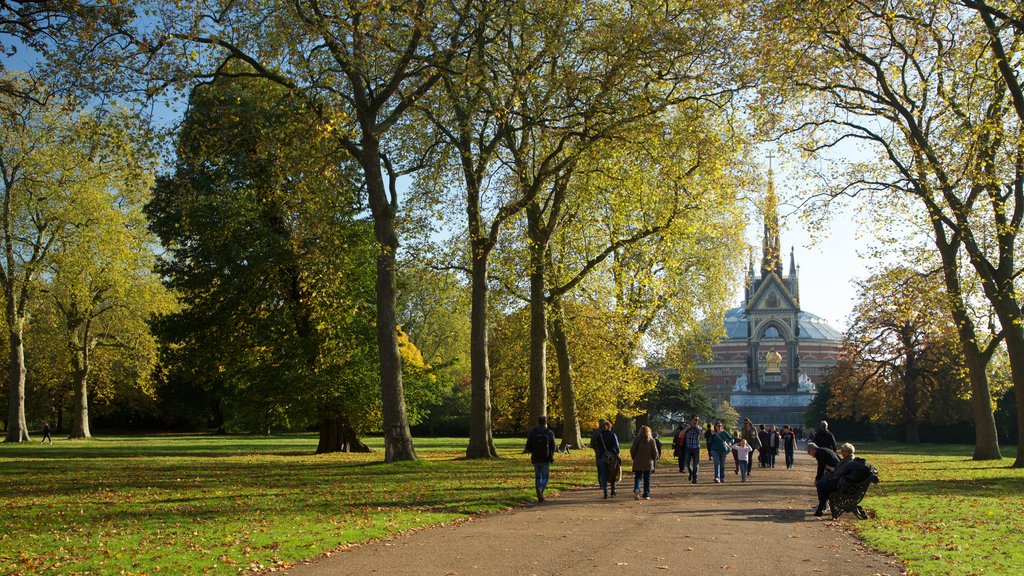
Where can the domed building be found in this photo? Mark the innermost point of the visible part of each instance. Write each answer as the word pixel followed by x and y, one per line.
pixel 773 351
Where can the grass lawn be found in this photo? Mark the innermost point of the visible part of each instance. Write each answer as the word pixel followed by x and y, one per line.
pixel 942 513
pixel 224 505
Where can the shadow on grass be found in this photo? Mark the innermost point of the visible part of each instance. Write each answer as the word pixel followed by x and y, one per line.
pixel 968 488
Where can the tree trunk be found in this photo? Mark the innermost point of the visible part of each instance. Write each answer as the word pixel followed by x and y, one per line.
pixel 80 421
pixel 481 441
pixel 538 323
pixel 338 435
pixel 1015 351
pixel 397 436
pixel 17 425
pixel 986 442
pixel 571 435
pixel 623 428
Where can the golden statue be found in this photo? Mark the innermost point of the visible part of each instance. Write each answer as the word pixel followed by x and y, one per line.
pixel 773 362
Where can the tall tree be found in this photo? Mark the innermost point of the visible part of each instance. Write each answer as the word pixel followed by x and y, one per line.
pixel 271 261
pixel 917 81
pixel 361 66
pixel 902 358
pixel 100 276
pixel 48 164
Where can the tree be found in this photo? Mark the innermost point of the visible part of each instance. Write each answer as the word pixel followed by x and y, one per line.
pixel 918 82
pixel 100 276
pixel 272 264
pixel 360 66
pixel 605 386
pixel 902 358
pixel 51 159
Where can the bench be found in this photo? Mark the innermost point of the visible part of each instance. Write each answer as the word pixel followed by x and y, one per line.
pixel 847 498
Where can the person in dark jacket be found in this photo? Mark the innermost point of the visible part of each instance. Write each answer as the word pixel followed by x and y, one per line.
pixel 606 450
pixel 749 433
pixel 789 443
pixel 762 451
pixel 824 438
pixel 827 459
pixel 540 443
pixel 848 469
pixel 773 445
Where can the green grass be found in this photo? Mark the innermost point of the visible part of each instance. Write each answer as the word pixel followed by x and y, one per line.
pixel 943 513
pixel 224 505
pixel 229 505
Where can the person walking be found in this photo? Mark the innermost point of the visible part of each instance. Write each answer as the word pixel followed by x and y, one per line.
pixel 540 443
pixel 721 444
pixel 606 451
pixel 46 433
pixel 773 445
pixel 644 453
pixel 749 434
pixel 691 448
pixel 762 451
pixel 742 450
pixel 824 438
pixel 789 445
pixel 678 446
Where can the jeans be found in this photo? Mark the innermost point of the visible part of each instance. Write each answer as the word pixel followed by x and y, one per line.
pixel 542 470
pixel 691 461
pixel 789 457
pixel 743 470
pixel 603 475
pixel 771 457
pixel 719 459
pixel 826 486
pixel 644 475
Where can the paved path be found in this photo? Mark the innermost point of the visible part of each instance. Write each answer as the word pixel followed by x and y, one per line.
pixel 762 526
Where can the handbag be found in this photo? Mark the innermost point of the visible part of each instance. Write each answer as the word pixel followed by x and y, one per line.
pixel 607 456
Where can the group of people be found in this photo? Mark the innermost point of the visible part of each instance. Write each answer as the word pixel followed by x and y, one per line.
pixel 645 451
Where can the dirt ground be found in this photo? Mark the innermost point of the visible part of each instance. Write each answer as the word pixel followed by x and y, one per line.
pixel 762 526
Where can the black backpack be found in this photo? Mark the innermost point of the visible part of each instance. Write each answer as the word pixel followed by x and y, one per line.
pixel 539 447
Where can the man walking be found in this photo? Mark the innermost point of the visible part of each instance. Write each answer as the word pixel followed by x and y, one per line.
pixel 691 448
pixel 824 438
pixel 540 443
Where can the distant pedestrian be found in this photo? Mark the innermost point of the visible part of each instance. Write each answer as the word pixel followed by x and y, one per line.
pixel 540 443
pixel 606 451
pixel 46 433
pixel 789 445
pixel 773 445
pixel 644 453
pixel 721 444
pixel 824 438
pixel 749 434
pixel 678 446
pixel 707 438
pixel 762 450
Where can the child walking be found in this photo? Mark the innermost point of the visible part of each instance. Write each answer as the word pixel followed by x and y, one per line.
pixel 743 449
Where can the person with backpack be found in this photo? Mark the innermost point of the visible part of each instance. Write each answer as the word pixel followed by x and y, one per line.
pixel 540 443
pixel 606 451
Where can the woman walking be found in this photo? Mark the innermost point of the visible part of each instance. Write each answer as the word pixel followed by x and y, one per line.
pixel 644 452
pixel 721 444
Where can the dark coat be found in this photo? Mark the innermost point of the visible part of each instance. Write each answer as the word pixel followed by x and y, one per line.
pixel 827 459
pixel 825 439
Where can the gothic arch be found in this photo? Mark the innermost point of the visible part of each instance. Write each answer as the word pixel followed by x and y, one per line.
pixel 784 331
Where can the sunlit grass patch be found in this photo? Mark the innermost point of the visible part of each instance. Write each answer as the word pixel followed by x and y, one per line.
pixel 218 505
pixel 943 513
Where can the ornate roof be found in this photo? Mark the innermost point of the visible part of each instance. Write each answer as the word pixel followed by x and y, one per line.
pixel 812 327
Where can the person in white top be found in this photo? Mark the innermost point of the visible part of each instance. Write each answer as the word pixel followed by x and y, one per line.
pixel 743 450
